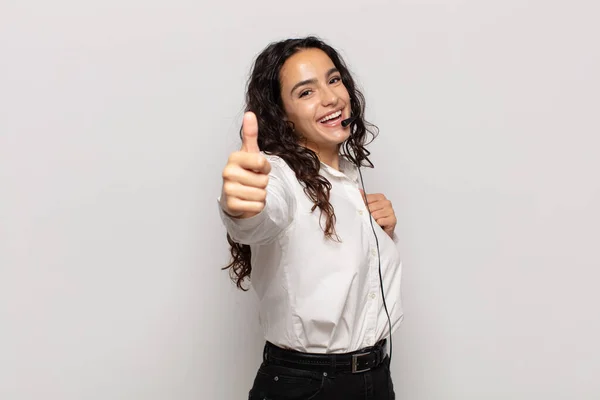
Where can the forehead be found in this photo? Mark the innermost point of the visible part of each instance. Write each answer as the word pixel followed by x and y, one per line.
pixel 305 64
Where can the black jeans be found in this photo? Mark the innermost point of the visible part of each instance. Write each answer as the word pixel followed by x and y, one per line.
pixel 276 382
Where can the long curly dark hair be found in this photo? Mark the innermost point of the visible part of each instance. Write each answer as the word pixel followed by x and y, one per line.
pixel 276 136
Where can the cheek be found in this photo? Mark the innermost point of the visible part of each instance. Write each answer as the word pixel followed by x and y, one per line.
pixel 305 112
pixel 291 113
pixel 310 109
pixel 344 94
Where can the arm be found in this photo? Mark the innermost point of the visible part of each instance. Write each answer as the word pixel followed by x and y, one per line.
pixel 256 202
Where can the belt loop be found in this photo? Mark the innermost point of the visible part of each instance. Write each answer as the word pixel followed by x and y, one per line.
pixel 333 364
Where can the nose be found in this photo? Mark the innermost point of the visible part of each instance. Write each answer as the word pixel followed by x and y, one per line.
pixel 328 97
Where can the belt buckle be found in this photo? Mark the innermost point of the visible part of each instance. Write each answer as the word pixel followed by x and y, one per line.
pixel 355 369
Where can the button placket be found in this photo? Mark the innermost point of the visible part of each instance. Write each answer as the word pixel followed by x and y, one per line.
pixel 372 293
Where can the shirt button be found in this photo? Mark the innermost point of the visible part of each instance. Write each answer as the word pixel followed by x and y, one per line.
pixel 373 252
pixel 360 212
pixel 369 342
pixel 372 295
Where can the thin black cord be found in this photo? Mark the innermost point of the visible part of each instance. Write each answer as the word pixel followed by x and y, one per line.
pixel 379 259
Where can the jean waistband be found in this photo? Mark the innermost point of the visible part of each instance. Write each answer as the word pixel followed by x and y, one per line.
pixel 355 362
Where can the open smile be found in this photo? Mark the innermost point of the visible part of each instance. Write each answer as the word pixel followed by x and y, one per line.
pixel 332 119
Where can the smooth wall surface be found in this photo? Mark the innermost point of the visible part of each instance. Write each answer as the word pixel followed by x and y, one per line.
pixel 116 118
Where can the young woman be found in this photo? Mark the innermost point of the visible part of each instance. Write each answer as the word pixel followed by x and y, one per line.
pixel 318 249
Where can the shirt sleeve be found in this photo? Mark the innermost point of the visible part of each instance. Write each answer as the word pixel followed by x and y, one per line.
pixel 274 218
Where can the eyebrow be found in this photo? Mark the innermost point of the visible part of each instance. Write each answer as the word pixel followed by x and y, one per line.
pixel 313 81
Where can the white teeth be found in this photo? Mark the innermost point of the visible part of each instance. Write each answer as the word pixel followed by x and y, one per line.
pixel 331 116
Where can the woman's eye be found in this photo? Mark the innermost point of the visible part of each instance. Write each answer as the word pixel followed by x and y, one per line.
pixel 305 93
pixel 335 80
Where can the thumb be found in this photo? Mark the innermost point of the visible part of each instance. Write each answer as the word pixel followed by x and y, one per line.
pixel 250 133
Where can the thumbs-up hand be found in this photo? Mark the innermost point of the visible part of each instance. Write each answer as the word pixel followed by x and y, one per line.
pixel 381 211
pixel 246 175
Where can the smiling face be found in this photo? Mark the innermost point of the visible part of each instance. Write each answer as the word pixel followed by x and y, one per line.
pixel 315 100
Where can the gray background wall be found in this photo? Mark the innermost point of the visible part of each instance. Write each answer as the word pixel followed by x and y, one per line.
pixel 116 118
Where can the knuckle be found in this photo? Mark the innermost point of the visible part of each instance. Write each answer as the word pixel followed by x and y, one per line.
pixel 226 172
pixel 233 157
pixel 263 195
pixel 231 204
pixel 227 187
pixel 229 172
pixel 263 181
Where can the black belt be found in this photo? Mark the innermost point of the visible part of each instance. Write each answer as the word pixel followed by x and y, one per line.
pixel 358 361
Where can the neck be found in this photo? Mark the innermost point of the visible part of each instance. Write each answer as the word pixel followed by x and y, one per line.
pixel 331 157
pixel 333 160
